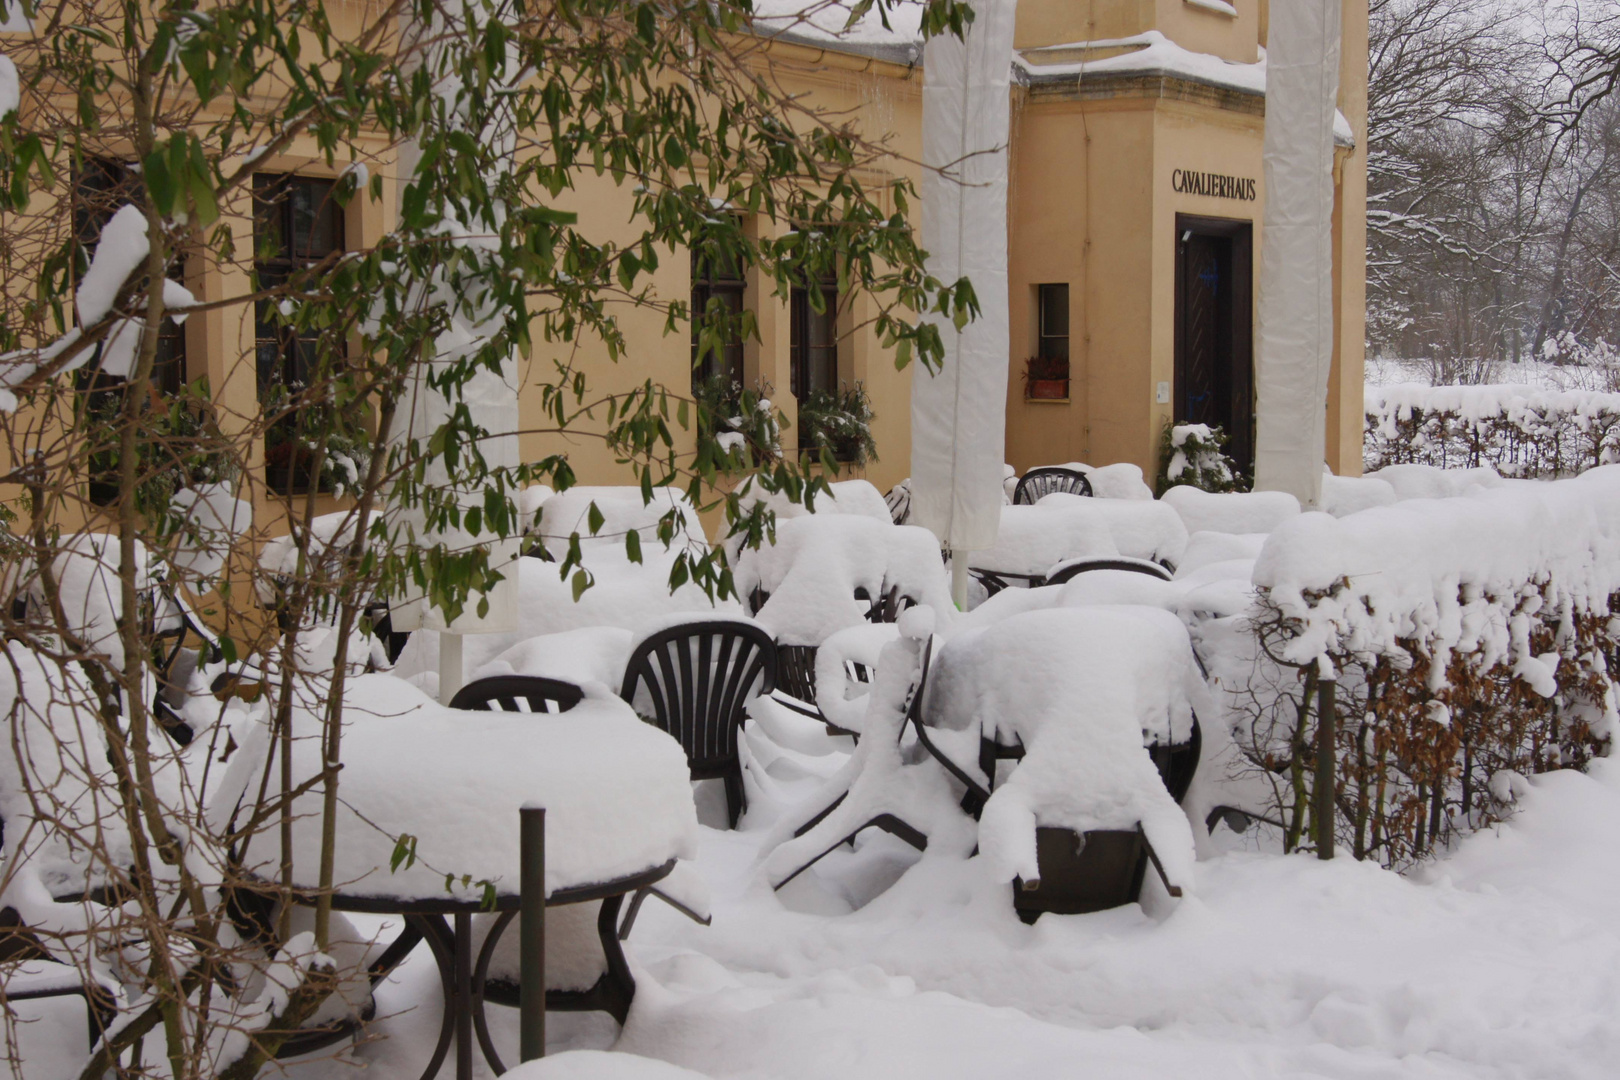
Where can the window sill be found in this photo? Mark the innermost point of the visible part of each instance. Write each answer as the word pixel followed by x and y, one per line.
pixel 1046 400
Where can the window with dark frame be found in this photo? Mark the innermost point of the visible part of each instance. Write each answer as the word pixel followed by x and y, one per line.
pixel 1052 337
pixel 813 337
pixel 717 279
pixel 296 224
pixel 100 187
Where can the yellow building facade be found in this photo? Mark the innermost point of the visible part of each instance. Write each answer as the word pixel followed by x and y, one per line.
pixel 1135 201
pixel 1135 204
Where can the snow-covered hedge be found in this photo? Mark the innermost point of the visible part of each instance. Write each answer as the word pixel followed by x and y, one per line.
pixel 1473 638
pixel 1518 430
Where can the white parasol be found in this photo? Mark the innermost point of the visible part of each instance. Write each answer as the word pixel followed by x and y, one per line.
pixel 958 414
pixel 1296 261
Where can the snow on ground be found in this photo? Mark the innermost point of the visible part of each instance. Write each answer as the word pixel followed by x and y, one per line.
pixel 1391 371
pixel 1501 961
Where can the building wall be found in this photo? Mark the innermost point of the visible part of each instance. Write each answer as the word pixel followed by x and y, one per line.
pixel 1093 203
pixel 885 99
pixel 1200 25
pixel 1346 385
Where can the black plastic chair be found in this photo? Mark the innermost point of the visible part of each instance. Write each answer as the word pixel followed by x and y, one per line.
pixel 898 501
pixel 796 664
pixel 1080 872
pixel 796 683
pixel 996 580
pixel 1036 484
pixel 1084 872
pixel 796 670
pixel 888 606
pixel 1070 569
pixel 518 693
pixel 382 625
pixel 699 677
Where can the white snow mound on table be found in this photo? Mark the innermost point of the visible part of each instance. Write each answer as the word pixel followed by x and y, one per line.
pixel 1141 528
pixel 625 595
pixel 1208 548
pixel 588 654
pixel 1231 512
pixel 1082 688
pixel 600 1065
pixel 1033 539
pixel 623 509
pixel 817 563
pixel 616 791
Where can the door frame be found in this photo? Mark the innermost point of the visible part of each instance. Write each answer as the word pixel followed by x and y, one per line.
pixel 1240 444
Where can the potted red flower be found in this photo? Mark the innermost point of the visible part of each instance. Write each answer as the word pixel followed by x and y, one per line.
pixel 1046 378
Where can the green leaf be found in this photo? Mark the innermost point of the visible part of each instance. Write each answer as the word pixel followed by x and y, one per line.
pixel 581 583
pixel 632 546
pixel 404 852
pixel 159 182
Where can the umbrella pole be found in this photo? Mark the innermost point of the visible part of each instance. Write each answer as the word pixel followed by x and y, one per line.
pixel 451 671
pixel 959 580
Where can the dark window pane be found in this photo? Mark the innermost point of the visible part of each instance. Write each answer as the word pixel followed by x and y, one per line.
pixel 1054 321
pixel 296 224
pixel 723 286
pixel 813 354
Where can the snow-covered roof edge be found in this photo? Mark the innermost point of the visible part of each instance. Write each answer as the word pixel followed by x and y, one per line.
pixel 1152 54
pixel 907 54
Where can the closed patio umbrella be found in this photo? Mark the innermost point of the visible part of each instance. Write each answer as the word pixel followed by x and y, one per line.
pixel 958 414
pixel 1296 260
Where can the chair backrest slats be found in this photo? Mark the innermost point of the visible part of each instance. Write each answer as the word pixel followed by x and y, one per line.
pixel 697 678
pixel 518 693
pixel 1038 483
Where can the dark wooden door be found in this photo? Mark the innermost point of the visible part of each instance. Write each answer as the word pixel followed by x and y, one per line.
pixel 1214 330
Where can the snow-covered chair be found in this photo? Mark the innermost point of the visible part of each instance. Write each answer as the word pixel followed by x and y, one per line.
pixel 1069 569
pixel 828 572
pixel 54 762
pixel 881 786
pixel 1038 483
pixel 34 989
pixel 898 500
pixel 694 680
pixel 1094 705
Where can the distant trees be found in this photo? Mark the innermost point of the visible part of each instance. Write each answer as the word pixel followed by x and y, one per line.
pixel 1493 187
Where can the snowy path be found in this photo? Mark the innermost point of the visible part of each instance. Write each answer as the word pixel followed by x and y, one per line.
pixel 1506 963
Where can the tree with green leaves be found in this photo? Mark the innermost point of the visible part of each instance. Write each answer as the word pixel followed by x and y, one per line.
pixel 476 121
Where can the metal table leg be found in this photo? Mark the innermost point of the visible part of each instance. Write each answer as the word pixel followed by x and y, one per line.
pixel 463 1006
pixel 442 943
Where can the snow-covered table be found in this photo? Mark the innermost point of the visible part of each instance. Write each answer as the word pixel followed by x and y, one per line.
pixel 448 785
pixel 1034 539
